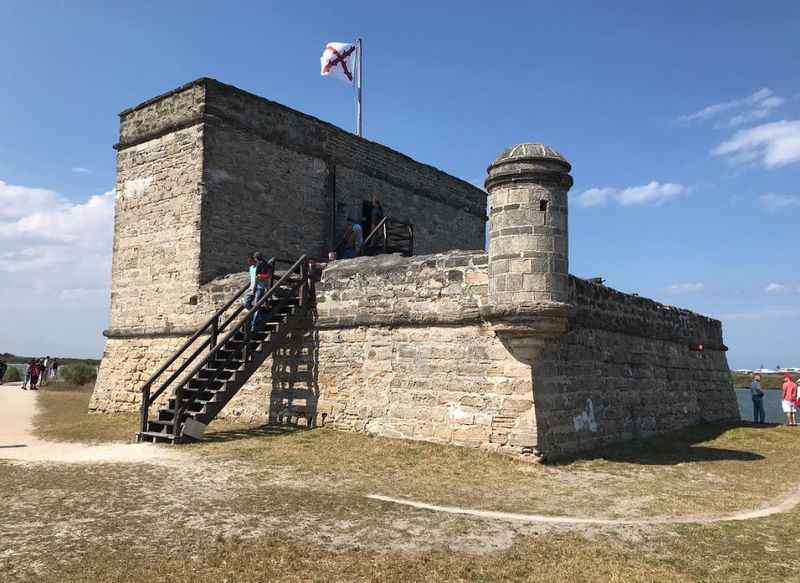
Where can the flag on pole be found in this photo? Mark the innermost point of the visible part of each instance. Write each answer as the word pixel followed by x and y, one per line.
pixel 338 61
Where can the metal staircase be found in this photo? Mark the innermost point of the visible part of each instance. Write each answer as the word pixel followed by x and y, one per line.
pixel 222 366
pixel 389 236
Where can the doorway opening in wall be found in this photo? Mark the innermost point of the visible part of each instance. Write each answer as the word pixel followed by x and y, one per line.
pixel 543 205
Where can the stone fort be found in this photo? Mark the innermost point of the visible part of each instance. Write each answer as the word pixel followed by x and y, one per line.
pixel 501 350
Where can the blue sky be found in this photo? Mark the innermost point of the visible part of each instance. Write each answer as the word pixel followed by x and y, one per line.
pixel 681 120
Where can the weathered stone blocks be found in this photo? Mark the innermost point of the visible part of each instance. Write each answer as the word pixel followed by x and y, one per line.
pixel 501 350
pixel 529 185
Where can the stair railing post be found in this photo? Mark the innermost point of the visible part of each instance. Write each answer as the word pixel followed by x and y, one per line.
pixel 178 411
pixel 303 282
pixel 144 407
pixel 214 333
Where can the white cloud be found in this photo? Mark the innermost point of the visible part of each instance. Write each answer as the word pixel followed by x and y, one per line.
pixel 595 196
pixel 763 314
pixel 751 108
pixel 776 289
pixel 776 144
pixel 85 225
pixel 685 288
pixel 772 201
pixel 81 170
pixel 19 201
pixel 654 193
pixel 55 255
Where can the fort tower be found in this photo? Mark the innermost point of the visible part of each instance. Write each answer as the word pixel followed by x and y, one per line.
pixel 528 226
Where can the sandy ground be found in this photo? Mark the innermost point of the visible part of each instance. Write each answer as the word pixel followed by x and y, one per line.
pixel 17 441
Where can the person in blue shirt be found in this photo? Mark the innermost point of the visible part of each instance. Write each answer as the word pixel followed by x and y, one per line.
pixel 353 239
pixel 261 272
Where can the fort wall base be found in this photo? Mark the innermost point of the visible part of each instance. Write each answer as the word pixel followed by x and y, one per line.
pixel 408 348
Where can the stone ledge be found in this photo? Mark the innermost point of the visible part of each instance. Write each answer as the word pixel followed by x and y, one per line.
pixel 114 334
pixel 160 133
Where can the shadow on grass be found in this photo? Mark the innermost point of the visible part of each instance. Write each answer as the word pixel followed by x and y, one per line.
pixel 673 448
pixel 270 430
pixel 669 449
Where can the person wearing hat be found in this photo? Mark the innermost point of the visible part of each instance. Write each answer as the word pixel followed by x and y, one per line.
pixel 789 396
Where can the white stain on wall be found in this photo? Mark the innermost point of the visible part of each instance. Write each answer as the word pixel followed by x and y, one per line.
pixel 135 187
pixel 586 421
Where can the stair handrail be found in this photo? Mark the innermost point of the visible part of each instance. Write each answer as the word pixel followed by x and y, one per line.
pixel 380 227
pixel 301 262
pixel 213 322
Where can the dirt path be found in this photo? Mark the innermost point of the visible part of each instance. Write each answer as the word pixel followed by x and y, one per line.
pixel 783 505
pixel 18 442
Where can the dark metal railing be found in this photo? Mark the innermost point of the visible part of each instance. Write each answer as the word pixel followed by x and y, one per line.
pixel 213 328
pixel 378 241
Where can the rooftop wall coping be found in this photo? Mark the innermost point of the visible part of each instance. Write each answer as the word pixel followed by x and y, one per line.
pixel 384 264
pixel 672 323
pixel 210 81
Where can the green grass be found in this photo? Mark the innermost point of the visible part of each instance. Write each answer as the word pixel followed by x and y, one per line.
pixel 289 505
pixel 768 381
pixel 62 416
pixel 689 471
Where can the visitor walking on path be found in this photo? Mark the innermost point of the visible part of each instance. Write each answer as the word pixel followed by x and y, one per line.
pixel 757 393
pixel 45 369
pixel 789 397
pixel 28 370
pixel 35 370
pixel 55 369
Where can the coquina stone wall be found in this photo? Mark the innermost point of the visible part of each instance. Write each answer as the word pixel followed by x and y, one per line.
pixel 408 348
pixel 628 367
pixel 283 181
pixel 208 173
pixel 503 350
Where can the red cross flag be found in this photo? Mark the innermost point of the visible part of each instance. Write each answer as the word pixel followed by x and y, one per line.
pixel 346 61
pixel 337 60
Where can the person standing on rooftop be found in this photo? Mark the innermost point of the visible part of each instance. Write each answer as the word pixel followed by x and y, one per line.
pixel 757 393
pixel 376 213
pixel 353 239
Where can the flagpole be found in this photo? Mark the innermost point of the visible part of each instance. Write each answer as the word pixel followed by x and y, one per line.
pixel 359 102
